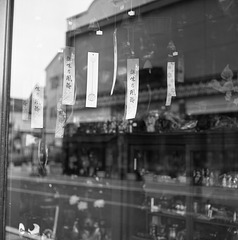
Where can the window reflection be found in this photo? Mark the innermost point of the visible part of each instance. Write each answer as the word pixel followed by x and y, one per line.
pixel 169 172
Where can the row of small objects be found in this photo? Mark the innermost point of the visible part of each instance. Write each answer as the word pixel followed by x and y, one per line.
pixel 206 178
pixel 150 177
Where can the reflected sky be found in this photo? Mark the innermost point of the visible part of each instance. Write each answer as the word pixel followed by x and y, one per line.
pixel 38 34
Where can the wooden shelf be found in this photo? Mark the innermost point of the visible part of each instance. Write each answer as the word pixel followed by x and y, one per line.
pixel 154 189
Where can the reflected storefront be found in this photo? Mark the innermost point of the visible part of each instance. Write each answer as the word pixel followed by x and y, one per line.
pixel 128 127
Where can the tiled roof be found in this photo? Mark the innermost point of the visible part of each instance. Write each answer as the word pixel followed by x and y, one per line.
pixel 183 91
pixel 102 9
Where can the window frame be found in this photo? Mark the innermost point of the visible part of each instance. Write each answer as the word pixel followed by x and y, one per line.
pixel 6 27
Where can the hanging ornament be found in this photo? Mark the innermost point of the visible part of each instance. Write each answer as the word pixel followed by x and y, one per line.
pixel 148 65
pixel 131 13
pixel 95 26
pixel 99 32
pixel 172 49
pixel 126 46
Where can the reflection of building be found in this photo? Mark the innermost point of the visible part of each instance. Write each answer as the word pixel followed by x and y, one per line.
pixel 16 122
pixel 195 27
pixel 179 181
pixel 202 56
pixel 20 137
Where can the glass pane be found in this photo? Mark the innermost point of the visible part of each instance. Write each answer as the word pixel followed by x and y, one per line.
pixel 123 120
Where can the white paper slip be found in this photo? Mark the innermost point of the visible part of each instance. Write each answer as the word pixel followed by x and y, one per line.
pixel 115 60
pixel 92 80
pixel 168 100
pixel 171 79
pixel 37 107
pixel 25 109
pixel 69 76
pixel 132 87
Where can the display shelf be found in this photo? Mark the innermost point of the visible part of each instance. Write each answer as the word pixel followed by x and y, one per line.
pixel 217 193
pixel 134 186
pixel 156 189
pixel 214 221
pixel 168 214
pixel 159 158
pixel 141 238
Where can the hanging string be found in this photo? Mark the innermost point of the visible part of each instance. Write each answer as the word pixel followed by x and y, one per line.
pixel 150 95
pixel 115 18
pixel 74 38
pixel 133 41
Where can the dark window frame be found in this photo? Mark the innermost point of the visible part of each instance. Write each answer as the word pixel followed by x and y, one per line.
pixel 6 25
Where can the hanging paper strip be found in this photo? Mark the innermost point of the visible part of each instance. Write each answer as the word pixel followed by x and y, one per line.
pixel 60 120
pixel 115 60
pixel 181 68
pixel 37 107
pixel 171 92
pixel 25 109
pixel 92 80
pixel 69 76
pixel 132 87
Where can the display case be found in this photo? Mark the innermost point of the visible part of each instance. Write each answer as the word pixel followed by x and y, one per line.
pixel 201 203
pixel 171 186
